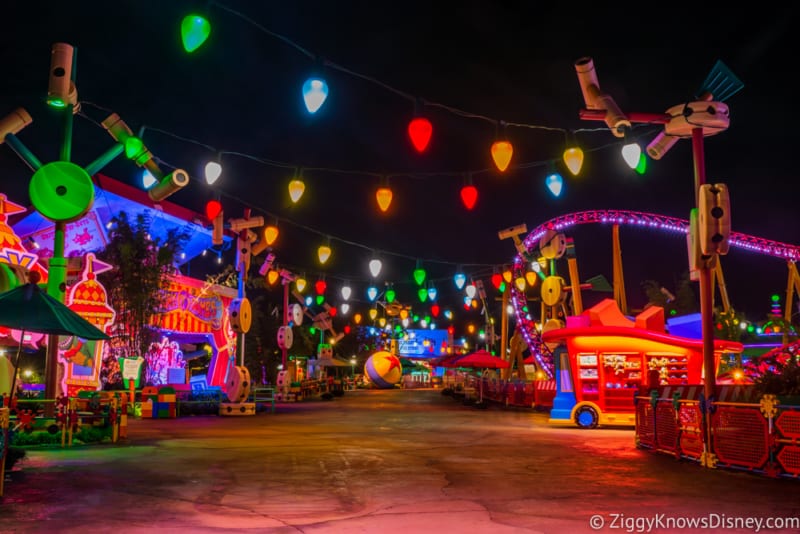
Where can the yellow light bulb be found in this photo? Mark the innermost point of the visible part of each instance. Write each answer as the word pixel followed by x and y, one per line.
pixel 296 189
pixel 573 157
pixel 272 276
pixel 384 198
pixel 300 284
pixel 373 313
pixel 520 283
pixel 357 318
pixel 382 321
pixel 323 253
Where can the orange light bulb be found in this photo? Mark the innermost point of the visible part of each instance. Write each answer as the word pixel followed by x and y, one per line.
pixel 384 198
pixel 501 154
pixel 270 234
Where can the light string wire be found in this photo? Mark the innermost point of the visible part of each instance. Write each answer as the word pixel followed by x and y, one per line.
pixel 488 267
pixel 568 133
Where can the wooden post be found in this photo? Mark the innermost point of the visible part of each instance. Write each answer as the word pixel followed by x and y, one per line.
pixel 619 279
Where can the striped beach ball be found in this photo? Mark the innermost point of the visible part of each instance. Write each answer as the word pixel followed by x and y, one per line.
pixel 383 369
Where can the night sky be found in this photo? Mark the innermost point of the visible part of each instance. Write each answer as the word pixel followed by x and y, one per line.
pixel 506 61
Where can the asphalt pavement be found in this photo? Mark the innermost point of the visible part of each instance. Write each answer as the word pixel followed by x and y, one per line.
pixel 383 461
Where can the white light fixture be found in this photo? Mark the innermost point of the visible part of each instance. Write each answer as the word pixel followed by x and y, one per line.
pixel 375 267
pixel 148 180
pixel 213 172
pixel 470 290
pixel 346 291
pixel 344 308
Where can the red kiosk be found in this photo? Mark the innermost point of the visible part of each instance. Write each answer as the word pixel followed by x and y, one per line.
pixel 603 360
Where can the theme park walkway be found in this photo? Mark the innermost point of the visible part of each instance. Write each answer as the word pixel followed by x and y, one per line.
pixel 411 461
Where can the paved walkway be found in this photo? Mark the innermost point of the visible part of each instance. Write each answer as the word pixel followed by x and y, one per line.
pixel 410 461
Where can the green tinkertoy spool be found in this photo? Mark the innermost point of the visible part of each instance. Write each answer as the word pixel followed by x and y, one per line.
pixel 61 191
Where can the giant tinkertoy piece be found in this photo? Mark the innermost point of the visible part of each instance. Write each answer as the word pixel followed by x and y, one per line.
pixel 63 191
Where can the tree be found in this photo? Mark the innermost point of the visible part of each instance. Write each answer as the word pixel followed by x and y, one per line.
pixel 141 268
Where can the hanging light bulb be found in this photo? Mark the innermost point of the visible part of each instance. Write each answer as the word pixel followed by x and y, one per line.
pixel 390 295
pixel 469 196
pixel 419 131
pixel 309 301
pixel 296 189
pixel 419 275
pixel 213 172
pixel 194 32
pixel 320 286
pixel 270 234
pixel 148 180
pixel 345 307
pixel 501 154
pixel 554 183
pixel 384 197
pixel 432 293
pixel 323 253
pixel 372 293
pixel 315 91
pixel 320 299
pixel 435 310
pixel 272 276
pixel 470 291
pixel 375 266
pixel 404 313
pixel 405 322
pixel 520 283
pixel 346 292
pixel 373 313
pixel 497 279
pixel 508 276
pixel 641 167
pixel 573 158
pixel 530 278
pixel 631 151
pixel 460 279
pixel 357 318
pixel 448 314
pixel 300 284
pixel 422 293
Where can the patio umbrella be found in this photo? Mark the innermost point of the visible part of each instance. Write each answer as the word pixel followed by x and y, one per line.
pixel 29 309
pixel 481 359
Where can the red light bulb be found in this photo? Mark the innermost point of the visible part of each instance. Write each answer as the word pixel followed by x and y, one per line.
pixel 213 208
pixel 469 196
pixel 435 310
pixel 320 286
pixel 497 279
pixel 420 130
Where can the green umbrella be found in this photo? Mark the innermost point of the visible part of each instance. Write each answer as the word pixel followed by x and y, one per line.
pixel 29 309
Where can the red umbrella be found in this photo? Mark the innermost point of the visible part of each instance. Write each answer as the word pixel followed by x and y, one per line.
pixel 481 359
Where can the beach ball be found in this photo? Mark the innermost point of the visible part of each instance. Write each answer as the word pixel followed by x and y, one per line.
pixel 383 369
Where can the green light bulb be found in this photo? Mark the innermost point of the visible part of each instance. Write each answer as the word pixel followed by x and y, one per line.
pixel 320 299
pixel 422 293
pixel 312 330
pixel 641 167
pixel 194 32
pixel 133 147
pixel 419 276
pixel 390 295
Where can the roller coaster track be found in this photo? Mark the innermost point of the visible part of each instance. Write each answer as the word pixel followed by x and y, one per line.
pixel 637 219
